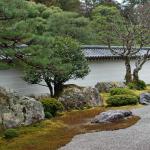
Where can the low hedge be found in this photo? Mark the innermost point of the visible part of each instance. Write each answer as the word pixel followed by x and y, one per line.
pixel 122 100
pixel 120 91
pixel 11 133
pixel 51 107
pixel 140 85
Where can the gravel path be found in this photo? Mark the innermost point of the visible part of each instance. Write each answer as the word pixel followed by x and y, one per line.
pixel 136 137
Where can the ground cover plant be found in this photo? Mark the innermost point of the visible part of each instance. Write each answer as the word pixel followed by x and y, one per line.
pixel 54 133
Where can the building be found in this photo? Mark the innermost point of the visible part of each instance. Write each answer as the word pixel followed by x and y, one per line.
pixel 98 52
pixel 105 66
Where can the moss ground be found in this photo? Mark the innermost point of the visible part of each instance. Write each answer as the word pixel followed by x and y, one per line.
pixel 52 134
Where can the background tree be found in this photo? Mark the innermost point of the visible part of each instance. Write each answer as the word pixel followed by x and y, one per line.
pixel 88 5
pixel 101 21
pixel 70 24
pixel 128 6
pixel 143 18
pixel 132 33
pixel 66 5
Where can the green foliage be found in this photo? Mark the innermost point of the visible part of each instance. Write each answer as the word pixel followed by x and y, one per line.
pixel 120 91
pixel 122 100
pixel 104 18
pixel 140 85
pixel 51 106
pixel 10 134
pixel 48 115
pixel 50 12
pixel 52 53
pixel 67 5
pixel 4 66
pixel 70 24
pixel 60 59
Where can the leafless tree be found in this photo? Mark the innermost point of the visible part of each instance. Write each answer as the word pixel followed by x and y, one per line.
pixel 134 34
pixel 139 64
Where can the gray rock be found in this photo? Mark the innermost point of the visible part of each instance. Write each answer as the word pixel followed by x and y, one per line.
pixel 75 97
pixel 111 116
pixel 17 111
pixel 145 98
pixel 107 86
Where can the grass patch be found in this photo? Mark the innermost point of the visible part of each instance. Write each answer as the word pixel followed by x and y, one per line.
pixel 52 134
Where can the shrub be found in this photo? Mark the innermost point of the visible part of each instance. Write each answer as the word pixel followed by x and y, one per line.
pixel 120 91
pixel 52 106
pixel 48 115
pixel 10 133
pixel 122 100
pixel 140 85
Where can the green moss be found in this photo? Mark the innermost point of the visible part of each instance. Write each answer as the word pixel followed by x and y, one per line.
pixel 55 133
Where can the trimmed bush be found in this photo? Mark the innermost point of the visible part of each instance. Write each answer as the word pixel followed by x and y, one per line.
pixel 140 85
pixel 120 91
pixel 10 133
pixel 122 100
pixel 51 106
pixel 48 115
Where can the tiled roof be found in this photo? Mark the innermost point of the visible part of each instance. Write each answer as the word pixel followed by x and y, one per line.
pixel 97 51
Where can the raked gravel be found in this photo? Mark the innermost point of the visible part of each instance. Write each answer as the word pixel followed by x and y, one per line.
pixel 136 137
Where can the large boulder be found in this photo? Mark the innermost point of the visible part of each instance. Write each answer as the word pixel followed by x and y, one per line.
pixel 145 98
pixel 75 97
pixel 17 111
pixel 111 116
pixel 107 86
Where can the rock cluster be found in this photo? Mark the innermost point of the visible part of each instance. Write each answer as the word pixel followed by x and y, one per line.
pixel 75 97
pixel 145 98
pixel 111 116
pixel 107 86
pixel 17 111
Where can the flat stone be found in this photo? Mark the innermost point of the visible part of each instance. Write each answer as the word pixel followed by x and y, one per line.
pixel 111 116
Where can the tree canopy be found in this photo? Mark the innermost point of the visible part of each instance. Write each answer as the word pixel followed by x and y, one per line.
pixel 57 61
pixel 66 5
pixel 46 53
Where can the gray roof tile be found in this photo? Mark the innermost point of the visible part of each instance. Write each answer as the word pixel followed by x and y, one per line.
pixel 96 51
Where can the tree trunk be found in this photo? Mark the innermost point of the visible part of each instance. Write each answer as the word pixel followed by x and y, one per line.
pixel 136 75
pixel 58 87
pixel 139 64
pixel 50 88
pixel 128 76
